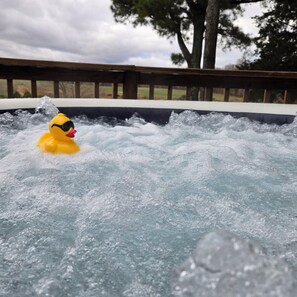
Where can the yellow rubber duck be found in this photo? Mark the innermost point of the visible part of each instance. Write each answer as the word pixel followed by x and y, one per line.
pixel 60 138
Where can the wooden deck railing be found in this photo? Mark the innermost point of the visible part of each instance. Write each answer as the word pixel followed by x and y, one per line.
pixel 132 76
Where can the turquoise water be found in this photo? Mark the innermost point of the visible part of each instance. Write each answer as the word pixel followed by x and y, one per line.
pixel 120 216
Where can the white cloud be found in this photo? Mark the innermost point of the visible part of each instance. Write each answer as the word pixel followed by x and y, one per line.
pixel 247 23
pixel 83 31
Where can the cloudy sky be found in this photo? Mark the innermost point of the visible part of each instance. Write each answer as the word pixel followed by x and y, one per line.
pixel 85 31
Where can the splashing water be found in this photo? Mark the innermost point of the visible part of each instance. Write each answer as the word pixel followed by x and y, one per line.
pixel 118 217
pixel 225 265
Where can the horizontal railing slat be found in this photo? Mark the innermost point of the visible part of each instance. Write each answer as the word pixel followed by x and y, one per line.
pixel 61 74
pixel 218 81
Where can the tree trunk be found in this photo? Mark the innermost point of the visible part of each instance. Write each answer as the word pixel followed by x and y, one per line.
pixel 211 33
pixel 197 41
pixel 197 48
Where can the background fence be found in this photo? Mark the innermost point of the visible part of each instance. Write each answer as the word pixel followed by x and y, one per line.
pixel 130 82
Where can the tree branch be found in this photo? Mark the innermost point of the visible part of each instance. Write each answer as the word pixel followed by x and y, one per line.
pixel 183 47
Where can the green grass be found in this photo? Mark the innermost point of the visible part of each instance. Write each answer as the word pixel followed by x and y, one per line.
pixel 179 94
pixel 161 93
pixel 232 98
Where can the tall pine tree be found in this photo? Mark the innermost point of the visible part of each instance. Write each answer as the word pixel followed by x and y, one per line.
pixel 185 20
pixel 277 40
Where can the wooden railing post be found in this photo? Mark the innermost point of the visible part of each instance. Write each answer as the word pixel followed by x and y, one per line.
pixel 151 92
pixel 290 96
pixel 77 89
pixel 208 94
pixel 202 94
pixel 169 93
pixel 286 97
pixel 188 93
pixel 96 91
pixel 246 95
pixel 10 88
pixel 115 91
pixel 226 94
pixel 267 96
pixel 33 88
pixel 130 85
pixel 56 89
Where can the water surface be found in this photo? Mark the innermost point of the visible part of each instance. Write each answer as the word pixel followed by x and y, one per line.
pixel 118 217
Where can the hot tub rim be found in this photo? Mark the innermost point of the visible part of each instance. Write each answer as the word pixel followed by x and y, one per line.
pixel 158 111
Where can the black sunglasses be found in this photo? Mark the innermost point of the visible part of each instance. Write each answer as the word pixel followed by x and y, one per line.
pixel 66 126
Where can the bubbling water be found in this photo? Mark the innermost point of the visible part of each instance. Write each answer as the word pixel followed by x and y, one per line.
pixel 118 217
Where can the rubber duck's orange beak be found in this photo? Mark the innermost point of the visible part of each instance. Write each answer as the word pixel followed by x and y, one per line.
pixel 71 133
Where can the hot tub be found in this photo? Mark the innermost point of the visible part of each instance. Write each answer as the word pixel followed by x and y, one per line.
pixel 152 178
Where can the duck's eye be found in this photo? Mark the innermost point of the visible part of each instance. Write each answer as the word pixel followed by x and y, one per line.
pixel 66 126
